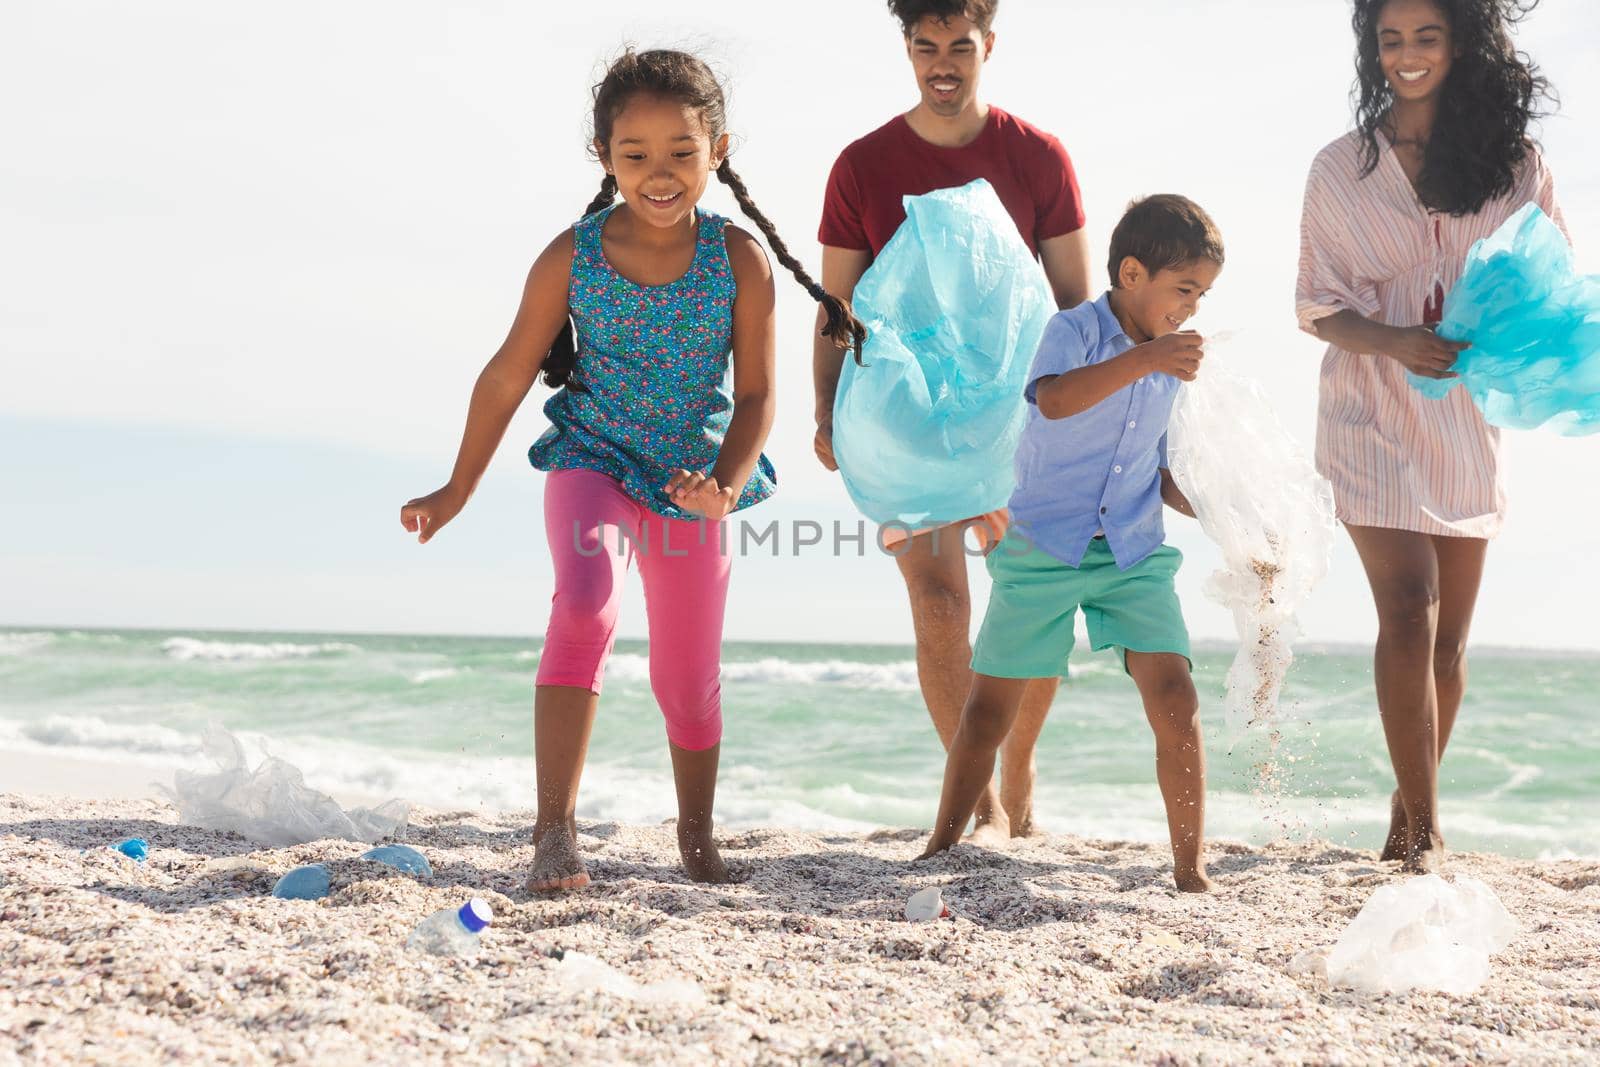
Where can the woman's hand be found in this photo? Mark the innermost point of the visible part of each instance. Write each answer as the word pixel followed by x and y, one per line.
pixel 1421 351
pixel 426 515
pixel 823 445
pixel 700 494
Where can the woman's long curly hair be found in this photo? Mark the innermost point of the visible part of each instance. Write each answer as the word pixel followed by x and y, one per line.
pixel 680 76
pixel 1491 95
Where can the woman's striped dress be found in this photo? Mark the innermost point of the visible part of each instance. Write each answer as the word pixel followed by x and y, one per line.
pixel 1396 458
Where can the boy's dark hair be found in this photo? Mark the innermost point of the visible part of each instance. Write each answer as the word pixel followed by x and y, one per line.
pixel 1164 232
pixel 685 78
pixel 911 12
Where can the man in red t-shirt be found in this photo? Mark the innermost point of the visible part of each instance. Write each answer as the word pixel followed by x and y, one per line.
pixel 951 138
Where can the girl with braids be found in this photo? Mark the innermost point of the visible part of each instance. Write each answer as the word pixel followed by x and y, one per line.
pixel 633 314
pixel 1439 159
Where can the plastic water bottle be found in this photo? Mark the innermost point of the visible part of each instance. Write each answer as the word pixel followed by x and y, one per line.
pixel 452 931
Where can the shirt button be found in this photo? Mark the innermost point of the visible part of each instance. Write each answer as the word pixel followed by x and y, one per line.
pixel 1116 470
pixel 1102 511
pixel 1132 423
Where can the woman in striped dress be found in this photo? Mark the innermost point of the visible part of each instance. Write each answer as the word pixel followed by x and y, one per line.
pixel 1439 159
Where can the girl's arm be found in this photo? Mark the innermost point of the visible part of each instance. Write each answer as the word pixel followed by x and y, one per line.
pixel 500 388
pixel 754 360
pixel 1417 348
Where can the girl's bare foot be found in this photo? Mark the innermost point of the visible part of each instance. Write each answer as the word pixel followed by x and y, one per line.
pixel 1192 880
pixel 1394 846
pixel 556 861
pixel 701 860
pixel 1425 855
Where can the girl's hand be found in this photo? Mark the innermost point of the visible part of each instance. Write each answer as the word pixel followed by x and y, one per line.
pixel 700 494
pixel 426 515
pixel 1422 352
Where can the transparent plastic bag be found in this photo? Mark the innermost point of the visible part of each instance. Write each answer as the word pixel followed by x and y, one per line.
pixel 926 432
pixel 1422 933
pixel 1259 497
pixel 272 804
pixel 1534 326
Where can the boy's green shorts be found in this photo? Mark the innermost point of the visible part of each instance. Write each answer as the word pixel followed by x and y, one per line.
pixel 1027 631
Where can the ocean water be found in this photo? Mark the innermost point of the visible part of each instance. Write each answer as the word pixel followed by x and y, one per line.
pixel 816 736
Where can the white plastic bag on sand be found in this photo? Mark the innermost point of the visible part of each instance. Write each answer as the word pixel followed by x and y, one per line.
pixel 272 804
pixel 1261 500
pixel 581 973
pixel 1423 933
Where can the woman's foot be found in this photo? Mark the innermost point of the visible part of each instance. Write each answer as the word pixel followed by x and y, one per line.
pixel 1425 855
pixel 1394 846
pixel 1192 880
pixel 701 860
pixel 557 863
pixel 991 832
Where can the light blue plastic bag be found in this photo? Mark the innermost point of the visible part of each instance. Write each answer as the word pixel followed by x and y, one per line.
pixel 1534 326
pixel 925 433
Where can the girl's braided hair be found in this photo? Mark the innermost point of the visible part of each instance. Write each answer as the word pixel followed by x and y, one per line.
pixel 680 76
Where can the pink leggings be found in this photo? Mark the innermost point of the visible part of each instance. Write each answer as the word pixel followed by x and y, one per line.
pixel 595 531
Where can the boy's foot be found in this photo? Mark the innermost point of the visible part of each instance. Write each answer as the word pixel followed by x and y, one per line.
pixel 1394 846
pixel 701 860
pixel 556 862
pixel 1194 881
pixel 1425 856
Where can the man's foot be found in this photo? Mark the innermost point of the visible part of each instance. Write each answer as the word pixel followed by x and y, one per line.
pixel 556 861
pixel 701 860
pixel 1193 881
pixel 1025 827
pixel 1394 846
pixel 1425 855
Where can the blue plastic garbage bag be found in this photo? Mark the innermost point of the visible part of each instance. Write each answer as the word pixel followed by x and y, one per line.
pixel 926 431
pixel 1534 326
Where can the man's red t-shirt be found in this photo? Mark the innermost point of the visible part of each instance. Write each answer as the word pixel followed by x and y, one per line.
pixel 1027 167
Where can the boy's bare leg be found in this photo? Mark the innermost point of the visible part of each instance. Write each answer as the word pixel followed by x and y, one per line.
pixel 969 767
pixel 934 566
pixel 563 717
pixel 1016 756
pixel 695 775
pixel 1173 708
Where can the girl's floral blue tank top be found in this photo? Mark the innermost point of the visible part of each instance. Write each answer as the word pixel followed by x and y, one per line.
pixel 654 372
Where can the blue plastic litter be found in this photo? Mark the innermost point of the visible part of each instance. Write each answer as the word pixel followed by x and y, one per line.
pixel 135 848
pixel 925 433
pixel 401 858
pixel 1534 325
pixel 304 883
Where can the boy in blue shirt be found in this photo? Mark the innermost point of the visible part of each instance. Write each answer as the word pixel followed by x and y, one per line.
pixel 1086 520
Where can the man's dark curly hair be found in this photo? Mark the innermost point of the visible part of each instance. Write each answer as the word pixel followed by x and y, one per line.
pixel 911 12
pixel 1491 95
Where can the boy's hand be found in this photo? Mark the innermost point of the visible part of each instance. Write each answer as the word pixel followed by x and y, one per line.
pixel 701 494
pixel 426 515
pixel 1178 354
pixel 1422 352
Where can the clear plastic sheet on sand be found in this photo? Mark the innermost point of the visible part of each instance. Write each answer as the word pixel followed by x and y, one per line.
pixel 580 973
pixel 1422 933
pixel 1534 325
pixel 1259 498
pixel 272 803
pixel 926 432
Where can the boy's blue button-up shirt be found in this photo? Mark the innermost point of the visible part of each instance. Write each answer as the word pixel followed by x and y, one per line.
pixel 1098 470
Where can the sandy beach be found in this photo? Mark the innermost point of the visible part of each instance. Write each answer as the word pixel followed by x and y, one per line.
pixel 1060 949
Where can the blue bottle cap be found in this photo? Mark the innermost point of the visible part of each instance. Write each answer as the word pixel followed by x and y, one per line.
pixel 304 883
pixel 402 858
pixel 475 914
pixel 135 848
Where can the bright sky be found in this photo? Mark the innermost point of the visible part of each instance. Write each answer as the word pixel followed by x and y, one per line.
pixel 253 258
